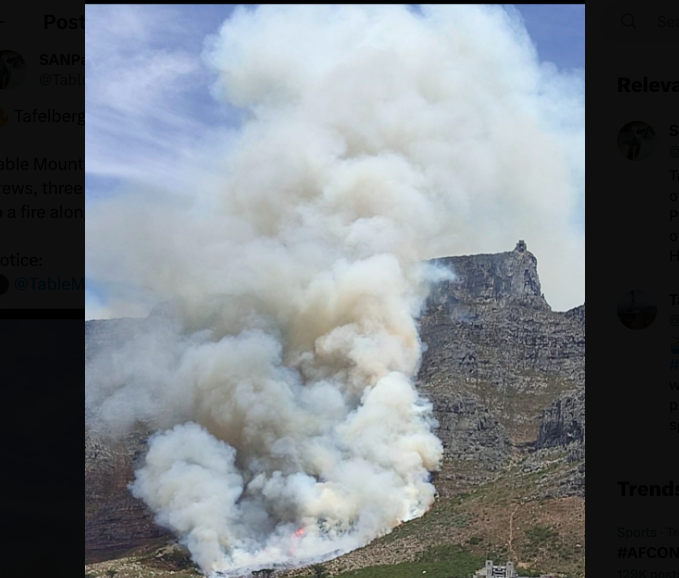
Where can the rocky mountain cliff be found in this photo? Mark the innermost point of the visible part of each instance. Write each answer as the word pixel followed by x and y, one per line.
pixel 497 355
pixel 506 376
pixel 115 522
pixel 563 423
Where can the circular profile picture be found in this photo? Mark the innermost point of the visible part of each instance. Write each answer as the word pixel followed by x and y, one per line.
pixel 637 309
pixel 636 141
pixel 675 346
pixel 12 69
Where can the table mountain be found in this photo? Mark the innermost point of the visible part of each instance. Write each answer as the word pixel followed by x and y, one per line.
pixel 506 377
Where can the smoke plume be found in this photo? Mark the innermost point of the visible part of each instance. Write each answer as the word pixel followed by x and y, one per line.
pixel 280 380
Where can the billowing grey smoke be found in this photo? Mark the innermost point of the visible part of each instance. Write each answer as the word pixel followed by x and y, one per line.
pixel 312 438
pixel 282 383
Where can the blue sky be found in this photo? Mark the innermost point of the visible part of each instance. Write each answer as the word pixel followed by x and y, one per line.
pixel 148 102
pixel 558 32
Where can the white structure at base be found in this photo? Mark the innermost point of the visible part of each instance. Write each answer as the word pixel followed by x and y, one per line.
pixel 506 571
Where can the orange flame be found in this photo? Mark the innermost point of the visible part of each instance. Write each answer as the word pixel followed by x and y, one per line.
pixel 294 542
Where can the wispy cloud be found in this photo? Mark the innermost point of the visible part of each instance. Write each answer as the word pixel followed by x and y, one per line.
pixel 147 94
pixel 150 115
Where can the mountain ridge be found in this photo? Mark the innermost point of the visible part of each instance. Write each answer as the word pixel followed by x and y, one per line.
pixel 505 374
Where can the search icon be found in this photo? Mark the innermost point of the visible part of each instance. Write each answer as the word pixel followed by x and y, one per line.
pixel 628 20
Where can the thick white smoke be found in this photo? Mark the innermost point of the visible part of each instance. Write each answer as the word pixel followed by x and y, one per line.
pixel 375 138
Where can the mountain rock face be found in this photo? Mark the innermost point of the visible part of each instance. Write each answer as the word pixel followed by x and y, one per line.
pixel 504 372
pixel 102 334
pixel 470 431
pixel 490 281
pixel 115 521
pixel 497 356
pixel 563 423
pixel 577 313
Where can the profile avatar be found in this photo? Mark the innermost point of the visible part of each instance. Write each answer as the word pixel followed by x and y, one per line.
pixel 636 141
pixel 12 69
pixel 637 310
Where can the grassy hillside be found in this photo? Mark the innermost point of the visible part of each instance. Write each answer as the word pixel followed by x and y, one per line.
pixel 511 517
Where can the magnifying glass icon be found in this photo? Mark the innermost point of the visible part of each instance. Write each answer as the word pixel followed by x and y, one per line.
pixel 628 20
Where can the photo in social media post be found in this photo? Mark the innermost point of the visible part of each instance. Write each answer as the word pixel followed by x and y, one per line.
pixel 335 301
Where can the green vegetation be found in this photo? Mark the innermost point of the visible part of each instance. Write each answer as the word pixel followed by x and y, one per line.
pixel 539 538
pixel 513 404
pixel 462 559
pixel 407 570
pixel 178 559
pixel 541 534
pixel 444 561
pixel 318 571
pixel 171 559
pixel 462 530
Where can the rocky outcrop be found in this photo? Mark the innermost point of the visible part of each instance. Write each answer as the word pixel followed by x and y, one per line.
pixel 493 280
pixel 563 428
pixel 115 521
pixel 102 334
pixel 577 313
pixel 491 337
pixel 561 473
pixel 470 431
pixel 564 422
